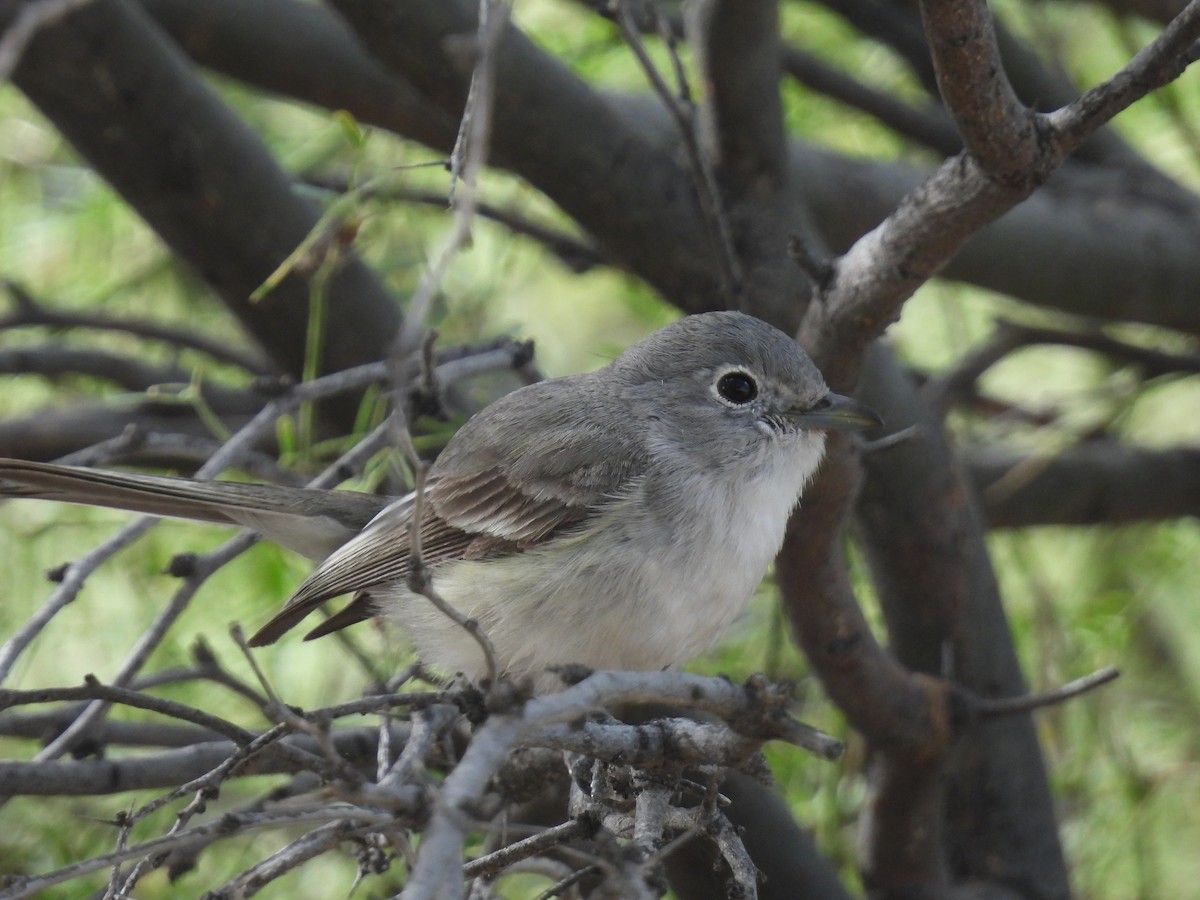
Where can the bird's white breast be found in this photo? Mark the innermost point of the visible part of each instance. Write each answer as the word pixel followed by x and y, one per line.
pixel 629 592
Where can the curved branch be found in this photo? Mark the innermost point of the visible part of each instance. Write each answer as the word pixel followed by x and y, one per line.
pixel 170 768
pixel 738 54
pixel 924 540
pixel 56 361
pixel 930 127
pixel 129 102
pixel 1099 483
pixel 29 312
pixel 998 130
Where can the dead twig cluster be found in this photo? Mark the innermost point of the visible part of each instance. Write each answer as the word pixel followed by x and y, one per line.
pixel 446 763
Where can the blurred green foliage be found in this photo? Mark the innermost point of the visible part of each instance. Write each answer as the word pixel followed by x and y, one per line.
pixel 1124 761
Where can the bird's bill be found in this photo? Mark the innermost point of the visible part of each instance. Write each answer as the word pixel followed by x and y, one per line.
pixel 840 413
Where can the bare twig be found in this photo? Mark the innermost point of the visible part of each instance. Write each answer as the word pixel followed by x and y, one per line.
pixel 93 690
pixel 30 312
pixel 439 863
pixel 683 112
pixel 811 260
pixel 996 707
pixel 227 826
pixel 174 451
pixel 1158 63
pixel 153 636
pixel 420 580
pixel 67 590
pixel 466 163
pixel 316 842
pixel 497 861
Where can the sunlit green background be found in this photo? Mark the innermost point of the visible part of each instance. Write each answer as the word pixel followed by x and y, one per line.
pixel 1123 761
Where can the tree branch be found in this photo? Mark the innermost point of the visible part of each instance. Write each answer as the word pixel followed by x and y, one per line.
pixel 870 284
pixel 1093 483
pixel 947 619
pixel 930 127
pixel 198 176
pixel 169 768
pixel 999 132
pixel 1160 62
pixel 272 44
pixel 29 312
pixel 1044 251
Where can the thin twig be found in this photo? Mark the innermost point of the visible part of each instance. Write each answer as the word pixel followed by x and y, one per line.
pixel 146 644
pixel 498 860
pixel 466 163
pixel 68 589
pixel 895 439
pixel 682 110
pixel 29 312
pixel 420 580
pixel 558 888
pixel 226 826
pixel 311 845
pixel 996 707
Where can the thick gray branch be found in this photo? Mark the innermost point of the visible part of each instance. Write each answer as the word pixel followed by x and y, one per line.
pixel 128 101
pixel 275 44
pixel 631 195
pixel 170 768
pixel 1101 483
pixel 739 54
pixel 923 535
pixel 1097 242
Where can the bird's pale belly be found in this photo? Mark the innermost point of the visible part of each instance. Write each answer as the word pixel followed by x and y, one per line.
pixel 620 595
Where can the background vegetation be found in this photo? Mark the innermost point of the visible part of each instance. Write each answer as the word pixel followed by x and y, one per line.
pixel 1122 761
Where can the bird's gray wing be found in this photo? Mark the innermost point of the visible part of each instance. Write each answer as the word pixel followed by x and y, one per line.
pixel 379 554
pixel 532 465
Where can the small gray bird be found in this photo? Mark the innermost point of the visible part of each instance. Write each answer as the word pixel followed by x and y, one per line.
pixel 619 519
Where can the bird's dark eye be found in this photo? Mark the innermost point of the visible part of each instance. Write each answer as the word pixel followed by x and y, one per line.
pixel 737 387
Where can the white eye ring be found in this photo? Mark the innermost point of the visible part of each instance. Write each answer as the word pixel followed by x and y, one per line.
pixel 735 387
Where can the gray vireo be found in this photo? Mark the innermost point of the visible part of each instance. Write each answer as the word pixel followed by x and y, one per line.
pixel 619 519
